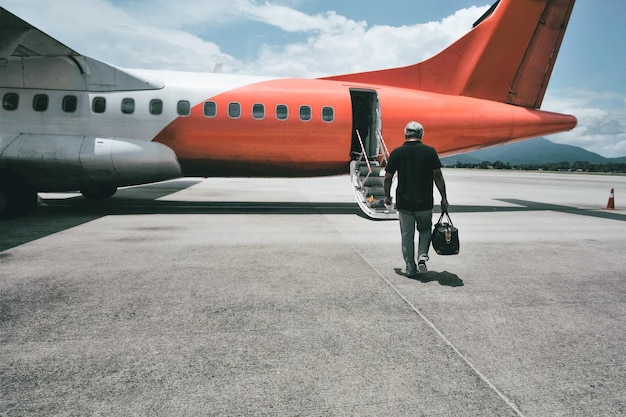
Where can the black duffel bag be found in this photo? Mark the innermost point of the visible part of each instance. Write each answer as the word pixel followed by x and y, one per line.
pixel 445 237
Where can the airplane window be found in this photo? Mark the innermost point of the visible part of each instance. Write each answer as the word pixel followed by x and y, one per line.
pixel 99 105
pixel 10 101
pixel 210 109
pixel 40 102
pixel 128 106
pixel 234 110
pixel 328 114
pixel 156 106
pixel 282 112
pixel 184 108
pixel 305 113
pixel 258 111
pixel 69 104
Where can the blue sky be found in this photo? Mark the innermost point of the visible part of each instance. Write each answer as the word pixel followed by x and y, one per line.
pixel 311 38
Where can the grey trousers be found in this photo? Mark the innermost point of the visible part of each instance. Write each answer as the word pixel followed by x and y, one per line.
pixel 410 221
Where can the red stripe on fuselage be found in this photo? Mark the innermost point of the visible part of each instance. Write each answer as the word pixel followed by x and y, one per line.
pixel 223 146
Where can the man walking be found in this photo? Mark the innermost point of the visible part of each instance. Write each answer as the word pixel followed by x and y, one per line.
pixel 418 166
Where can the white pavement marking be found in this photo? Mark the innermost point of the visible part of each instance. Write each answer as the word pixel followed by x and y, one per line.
pixel 442 336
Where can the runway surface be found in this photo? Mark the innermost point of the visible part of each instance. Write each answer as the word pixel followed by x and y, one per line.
pixel 274 297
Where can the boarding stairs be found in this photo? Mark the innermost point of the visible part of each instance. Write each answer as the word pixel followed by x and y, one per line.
pixel 367 173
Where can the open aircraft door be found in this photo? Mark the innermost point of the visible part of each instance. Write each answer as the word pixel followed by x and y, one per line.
pixel 368 155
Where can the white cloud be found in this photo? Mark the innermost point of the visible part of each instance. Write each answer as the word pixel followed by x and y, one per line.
pixel 291 20
pixel 601 120
pixel 157 34
pixel 338 45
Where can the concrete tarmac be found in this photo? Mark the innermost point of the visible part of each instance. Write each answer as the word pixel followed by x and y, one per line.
pixel 274 297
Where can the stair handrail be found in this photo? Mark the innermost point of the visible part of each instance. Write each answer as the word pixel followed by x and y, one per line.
pixel 364 154
pixel 383 146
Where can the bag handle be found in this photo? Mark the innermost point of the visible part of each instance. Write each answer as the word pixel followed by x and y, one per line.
pixel 445 213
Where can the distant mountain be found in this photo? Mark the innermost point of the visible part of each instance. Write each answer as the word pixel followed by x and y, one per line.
pixel 530 152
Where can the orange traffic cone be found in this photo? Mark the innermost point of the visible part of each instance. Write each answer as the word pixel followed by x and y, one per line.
pixel 611 204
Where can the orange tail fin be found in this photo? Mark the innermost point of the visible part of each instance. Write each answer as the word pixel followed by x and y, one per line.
pixel 508 56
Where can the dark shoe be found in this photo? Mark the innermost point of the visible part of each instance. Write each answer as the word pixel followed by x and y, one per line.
pixel 421 267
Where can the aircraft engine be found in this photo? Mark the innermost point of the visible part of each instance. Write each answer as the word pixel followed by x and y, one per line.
pixel 70 163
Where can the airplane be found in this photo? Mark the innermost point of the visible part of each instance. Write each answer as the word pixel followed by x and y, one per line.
pixel 69 122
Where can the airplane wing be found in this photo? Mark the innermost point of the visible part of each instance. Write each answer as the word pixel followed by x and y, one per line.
pixel 20 39
pixel 27 55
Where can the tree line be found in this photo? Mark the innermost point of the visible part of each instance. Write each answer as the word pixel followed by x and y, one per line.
pixel 577 166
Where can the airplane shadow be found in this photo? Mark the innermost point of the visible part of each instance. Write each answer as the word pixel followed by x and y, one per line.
pixel 57 214
pixel 54 215
pixel 444 278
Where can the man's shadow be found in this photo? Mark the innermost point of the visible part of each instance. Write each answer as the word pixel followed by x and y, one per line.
pixel 444 278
